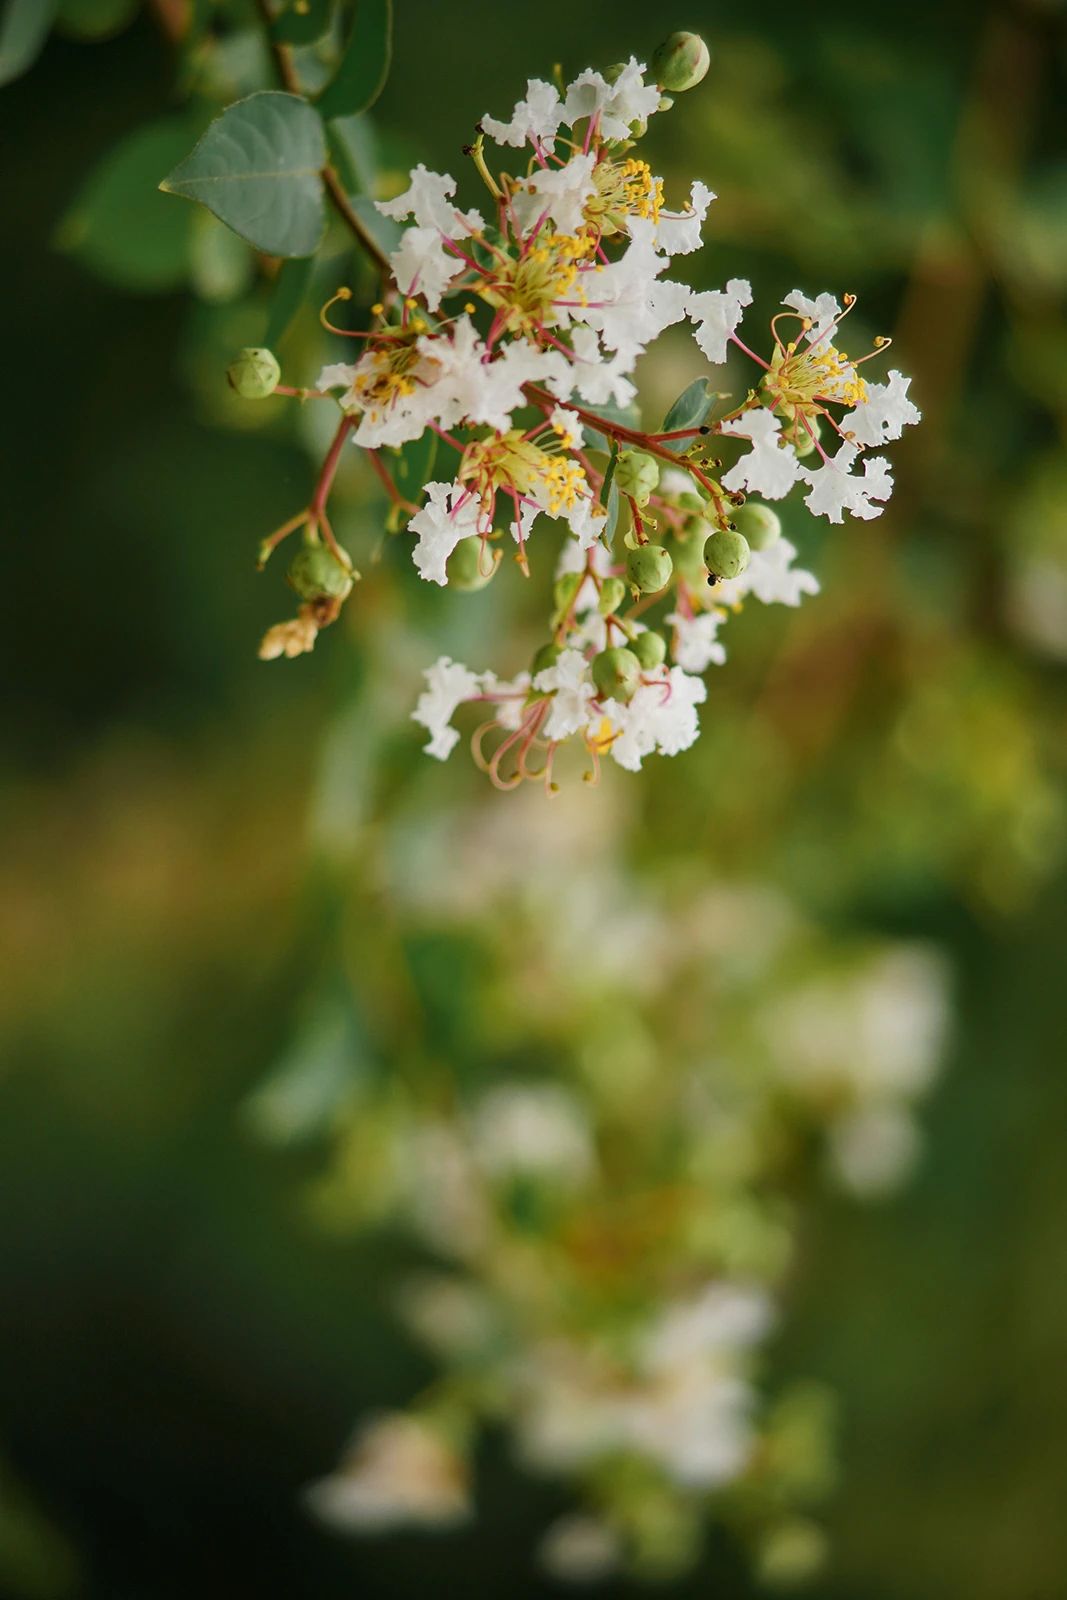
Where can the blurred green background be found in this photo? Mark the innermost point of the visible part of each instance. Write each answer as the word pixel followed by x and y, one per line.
pixel 188 836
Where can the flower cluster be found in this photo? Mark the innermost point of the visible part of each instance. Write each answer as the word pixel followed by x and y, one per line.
pixel 512 339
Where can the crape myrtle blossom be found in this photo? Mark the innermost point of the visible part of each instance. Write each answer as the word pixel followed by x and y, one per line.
pixel 507 338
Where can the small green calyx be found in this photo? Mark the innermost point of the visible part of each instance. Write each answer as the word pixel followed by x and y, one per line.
pixel 681 62
pixel 637 475
pixel 760 525
pixel 316 574
pixel 255 374
pixel 650 649
pixel 726 553
pixel 616 673
pixel 649 568
pixel 471 565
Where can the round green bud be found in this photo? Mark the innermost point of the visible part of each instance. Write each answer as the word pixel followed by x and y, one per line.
pixel 681 62
pixel 316 574
pixel 637 475
pixel 803 441
pixel 613 73
pixel 612 595
pixel 760 525
pixel 726 553
pixel 471 565
pixel 616 673
pixel 544 658
pixel 649 568
pixel 255 374
pixel 650 649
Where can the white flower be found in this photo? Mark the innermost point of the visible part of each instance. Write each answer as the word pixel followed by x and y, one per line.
pixel 494 388
pixel 429 201
pixel 660 716
pixel 600 380
pixel 884 414
pixel 537 118
pixel 722 1319
pixel 508 696
pixel 567 424
pixel 395 407
pixel 716 313
pixel 587 520
pixel 823 313
pixel 573 558
pixel 561 192
pixel 572 690
pixel 679 235
pixel 695 642
pixel 450 513
pixel 398 1471
pixel 533 1128
pixel 448 684
pixel 771 468
pixel 627 305
pixel 629 99
pixel 835 489
pixel 873 1149
pixel 771 577
pixel 421 265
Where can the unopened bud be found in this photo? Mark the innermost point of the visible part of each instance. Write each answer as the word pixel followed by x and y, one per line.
pixel 650 649
pixel 255 374
pixel 760 525
pixel 316 574
pixel 612 595
pixel 726 553
pixel 565 589
pixel 546 657
pixel 471 565
pixel 616 673
pixel 637 475
pixel 649 568
pixel 681 62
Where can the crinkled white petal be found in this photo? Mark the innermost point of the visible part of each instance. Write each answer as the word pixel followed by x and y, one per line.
pixel 559 192
pixel 716 314
pixel 450 513
pixel 884 414
pixel 628 305
pixel 448 684
pixel 537 118
pixel 696 646
pixel 835 488
pixel 661 716
pixel 771 577
pixel 679 234
pixel 629 99
pixel 429 201
pixel 572 689
pixel 771 467
pixel 422 265
pixel 600 380
pixel 823 312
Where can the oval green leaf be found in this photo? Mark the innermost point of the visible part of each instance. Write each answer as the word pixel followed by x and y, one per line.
pixel 364 66
pixel 690 410
pixel 257 168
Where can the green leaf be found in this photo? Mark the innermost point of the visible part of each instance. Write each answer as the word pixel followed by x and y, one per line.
pixel 364 67
pixel 354 148
pixel 302 22
pixel 383 230
pixel 690 410
pixel 289 289
pixel 257 168
pixel 95 19
pixel 121 226
pixel 24 27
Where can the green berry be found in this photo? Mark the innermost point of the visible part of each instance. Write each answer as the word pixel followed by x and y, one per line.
pixel 546 657
pixel 760 525
pixel 612 595
pixel 649 568
pixel 471 566
pixel 616 673
pixel 726 553
pixel 316 574
pixel 681 62
pixel 255 374
pixel 650 649
pixel 637 475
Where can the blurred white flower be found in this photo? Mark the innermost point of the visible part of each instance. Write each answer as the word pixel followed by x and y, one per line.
pixel 398 1471
pixel 533 1128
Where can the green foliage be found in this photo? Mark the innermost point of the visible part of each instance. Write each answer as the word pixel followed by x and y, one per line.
pixel 24 27
pixel 258 168
pixel 364 65
pixel 94 19
pixel 690 410
pixel 302 22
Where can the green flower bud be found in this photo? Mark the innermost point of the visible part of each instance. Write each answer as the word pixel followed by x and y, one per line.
pixel 681 62
pixel 726 553
pixel 546 657
pixel 255 374
pixel 760 525
pixel 612 595
pixel 649 568
pixel 803 442
pixel 637 475
pixel 316 574
pixel 471 566
pixel 565 588
pixel 650 649
pixel 616 673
